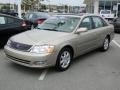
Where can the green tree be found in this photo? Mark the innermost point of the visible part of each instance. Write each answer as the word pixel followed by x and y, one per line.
pixel 7 6
pixel 66 8
pixel 43 7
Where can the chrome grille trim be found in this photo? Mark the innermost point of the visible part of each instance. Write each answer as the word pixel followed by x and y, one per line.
pixel 20 46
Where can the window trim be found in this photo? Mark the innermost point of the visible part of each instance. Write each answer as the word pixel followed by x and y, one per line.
pixel 90 21
pixel 102 20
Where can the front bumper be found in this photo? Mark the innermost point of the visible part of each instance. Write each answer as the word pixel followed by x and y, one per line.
pixel 30 59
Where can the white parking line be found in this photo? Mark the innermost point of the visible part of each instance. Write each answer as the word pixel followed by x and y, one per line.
pixel 116 43
pixel 43 74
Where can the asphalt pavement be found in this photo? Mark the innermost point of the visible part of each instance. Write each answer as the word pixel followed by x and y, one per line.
pixel 93 71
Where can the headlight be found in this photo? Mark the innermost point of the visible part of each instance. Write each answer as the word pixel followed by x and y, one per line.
pixel 42 49
pixel 8 42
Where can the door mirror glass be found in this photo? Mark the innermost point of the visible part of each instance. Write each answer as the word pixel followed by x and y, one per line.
pixel 80 30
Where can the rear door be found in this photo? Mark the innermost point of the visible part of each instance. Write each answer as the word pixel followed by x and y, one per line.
pixel 14 25
pixel 10 25
pixel 100 28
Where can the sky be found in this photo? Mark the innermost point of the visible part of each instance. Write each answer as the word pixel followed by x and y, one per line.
pixel 9 1
pixel 69 2
pixel 56 2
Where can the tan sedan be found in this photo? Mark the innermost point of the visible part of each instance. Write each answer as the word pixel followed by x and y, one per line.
pixel 58 40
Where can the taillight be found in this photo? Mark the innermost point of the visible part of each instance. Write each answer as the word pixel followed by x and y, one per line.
pixel 23 24
pixel 39 21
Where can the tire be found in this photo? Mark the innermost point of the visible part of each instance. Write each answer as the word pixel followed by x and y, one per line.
pixel 64 59
pixel 105 45
pixel 117 31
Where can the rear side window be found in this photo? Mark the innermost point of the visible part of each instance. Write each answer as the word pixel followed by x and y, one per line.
pixel 16 20
pixel 104 23
pixel 2 20
pixel 43 15
pixel 97 22
pixel 105 12
pixel 34 16
pixel 10 20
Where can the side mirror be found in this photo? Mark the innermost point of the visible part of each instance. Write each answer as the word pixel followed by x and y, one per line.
pixel 80 30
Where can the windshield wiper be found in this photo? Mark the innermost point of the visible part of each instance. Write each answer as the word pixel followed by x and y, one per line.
pixel 47 29
pixel 50 29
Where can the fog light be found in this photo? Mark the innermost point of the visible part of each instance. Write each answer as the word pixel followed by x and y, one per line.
pixel 39 63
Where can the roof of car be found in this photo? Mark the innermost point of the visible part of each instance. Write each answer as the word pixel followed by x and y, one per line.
pixel 9 16
pixel 38 12
pixel 77 15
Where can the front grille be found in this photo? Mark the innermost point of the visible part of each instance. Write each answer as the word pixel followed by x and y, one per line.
pixel 20 46
pixel 18 60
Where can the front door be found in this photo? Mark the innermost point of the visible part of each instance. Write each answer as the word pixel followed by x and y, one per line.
pixel 86 41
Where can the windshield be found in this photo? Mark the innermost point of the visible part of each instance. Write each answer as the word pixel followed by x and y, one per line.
pixel 36 15
pixel 105 12
pixel 60 24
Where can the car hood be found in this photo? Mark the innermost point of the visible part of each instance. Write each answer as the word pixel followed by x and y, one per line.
pixel 37 37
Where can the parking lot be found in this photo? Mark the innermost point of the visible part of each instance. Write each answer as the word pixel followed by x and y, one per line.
pixel 93 71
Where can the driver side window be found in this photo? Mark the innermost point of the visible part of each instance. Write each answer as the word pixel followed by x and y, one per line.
pixel 86 22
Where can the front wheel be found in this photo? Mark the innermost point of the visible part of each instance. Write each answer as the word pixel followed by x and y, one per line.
pixel 106 44
pixel 64 59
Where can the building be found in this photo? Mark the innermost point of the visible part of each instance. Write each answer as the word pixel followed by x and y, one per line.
pixel 77 9
pixel 63 8
pixel 94 6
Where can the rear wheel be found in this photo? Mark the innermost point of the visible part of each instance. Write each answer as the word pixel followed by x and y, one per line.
pixel 105 45
pixel 64 59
